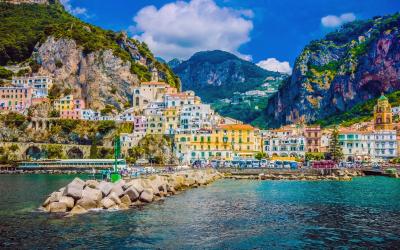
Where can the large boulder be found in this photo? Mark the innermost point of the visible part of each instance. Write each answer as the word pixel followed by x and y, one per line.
pixel 105 187
pixel 132 193
pixel 92 183
pixel 114 197
pixel 146 183
pixel 87 203
pixel 92 194
pixel 137 184
pixel 126 200
pixel 107 203
pixel 147 195
pixel 118 190
pixel 78 210
pixel 58 207
pixel 55 196
pixel 69 201
pixel 74 189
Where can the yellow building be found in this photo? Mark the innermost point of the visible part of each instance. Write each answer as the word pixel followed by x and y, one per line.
pixel 155 124
pixel 171 120
pixel 226 142
pixel 64 104
pixel 383 114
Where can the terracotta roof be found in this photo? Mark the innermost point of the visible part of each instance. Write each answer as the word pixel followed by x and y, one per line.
pixel 153 83
pixel 182 95
pixel 237 127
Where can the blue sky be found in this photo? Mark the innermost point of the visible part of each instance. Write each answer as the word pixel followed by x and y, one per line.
pixel 253 29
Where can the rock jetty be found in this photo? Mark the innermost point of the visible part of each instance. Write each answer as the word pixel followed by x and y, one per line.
pixel 341 175
pixel 80 196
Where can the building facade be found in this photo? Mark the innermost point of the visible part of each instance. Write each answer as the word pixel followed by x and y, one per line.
pixel 17 99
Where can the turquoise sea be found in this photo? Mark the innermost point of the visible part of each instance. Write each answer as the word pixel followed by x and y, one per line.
pixel 363 213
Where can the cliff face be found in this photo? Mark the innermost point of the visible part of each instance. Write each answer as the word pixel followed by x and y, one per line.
pixel 332 75
pixel 218 74
pixel 99 77
pixel 98 65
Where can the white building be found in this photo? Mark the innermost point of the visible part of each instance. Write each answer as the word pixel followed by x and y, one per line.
pixel 194 117
pixel 294 146
pixel 39 84
pixel 385 144
pixel 179 99
pixel 396 110
pixel 129 140
pixel 368 145
pixel 88 114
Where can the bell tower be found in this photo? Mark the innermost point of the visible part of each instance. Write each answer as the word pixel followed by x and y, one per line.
pixel 383 114
pixel 154 75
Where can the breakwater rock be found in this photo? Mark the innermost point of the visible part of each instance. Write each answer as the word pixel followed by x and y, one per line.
pixel 80 196
pixel 338 175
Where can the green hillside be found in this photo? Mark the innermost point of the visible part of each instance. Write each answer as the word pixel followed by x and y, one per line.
pixel 25 25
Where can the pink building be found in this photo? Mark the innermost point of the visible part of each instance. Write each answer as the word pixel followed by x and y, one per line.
pixel 16 99
pixel 74 112
pixel 140 124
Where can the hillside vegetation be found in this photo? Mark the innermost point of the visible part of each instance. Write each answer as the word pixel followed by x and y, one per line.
pixel 24 25
pixel 359 113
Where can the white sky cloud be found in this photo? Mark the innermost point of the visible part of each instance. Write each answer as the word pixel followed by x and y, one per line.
pixel 73 10
pixel 272 64
pixel 179 29
pixel 332 21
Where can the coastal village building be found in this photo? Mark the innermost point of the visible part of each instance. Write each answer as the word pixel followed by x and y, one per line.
pixel 313 136
pixel 139 124
pixel 16 99
pixel 171 116
pixel 155 124
pixel 194 117
pixel 179 99
pixel 292 146
pixel 39 84
pixel 129 140
pixel 226 142
pixel 69 107
pixel 356 145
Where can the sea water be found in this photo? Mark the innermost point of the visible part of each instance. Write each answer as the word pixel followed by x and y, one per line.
pixel 227 214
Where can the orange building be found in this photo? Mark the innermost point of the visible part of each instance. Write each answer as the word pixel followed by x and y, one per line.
pixel 15 98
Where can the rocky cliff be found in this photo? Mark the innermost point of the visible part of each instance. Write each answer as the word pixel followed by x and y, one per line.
pixel 100 77
pixel 218 74
pixel 98 65
pixel 347 67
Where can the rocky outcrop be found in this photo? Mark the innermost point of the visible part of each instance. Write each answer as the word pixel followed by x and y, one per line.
pixel 332 75
pixel 80 197
pixel 99 77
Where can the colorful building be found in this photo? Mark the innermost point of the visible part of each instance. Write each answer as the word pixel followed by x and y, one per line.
pixel 225 142
pixel 313 137
pixel 39 84
pixel 383 117
pixel 171 120
pixel 16 99
pixel 69 108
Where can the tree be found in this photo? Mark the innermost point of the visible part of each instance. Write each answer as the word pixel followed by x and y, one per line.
pixel 335 150
pixel 54 151
pixel 316 156
pixel 93 149
pixel 261 155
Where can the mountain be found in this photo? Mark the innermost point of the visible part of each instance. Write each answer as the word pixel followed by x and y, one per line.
pixel 98 65
pixel 174 63
pixel 332 75
pixel 217 74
